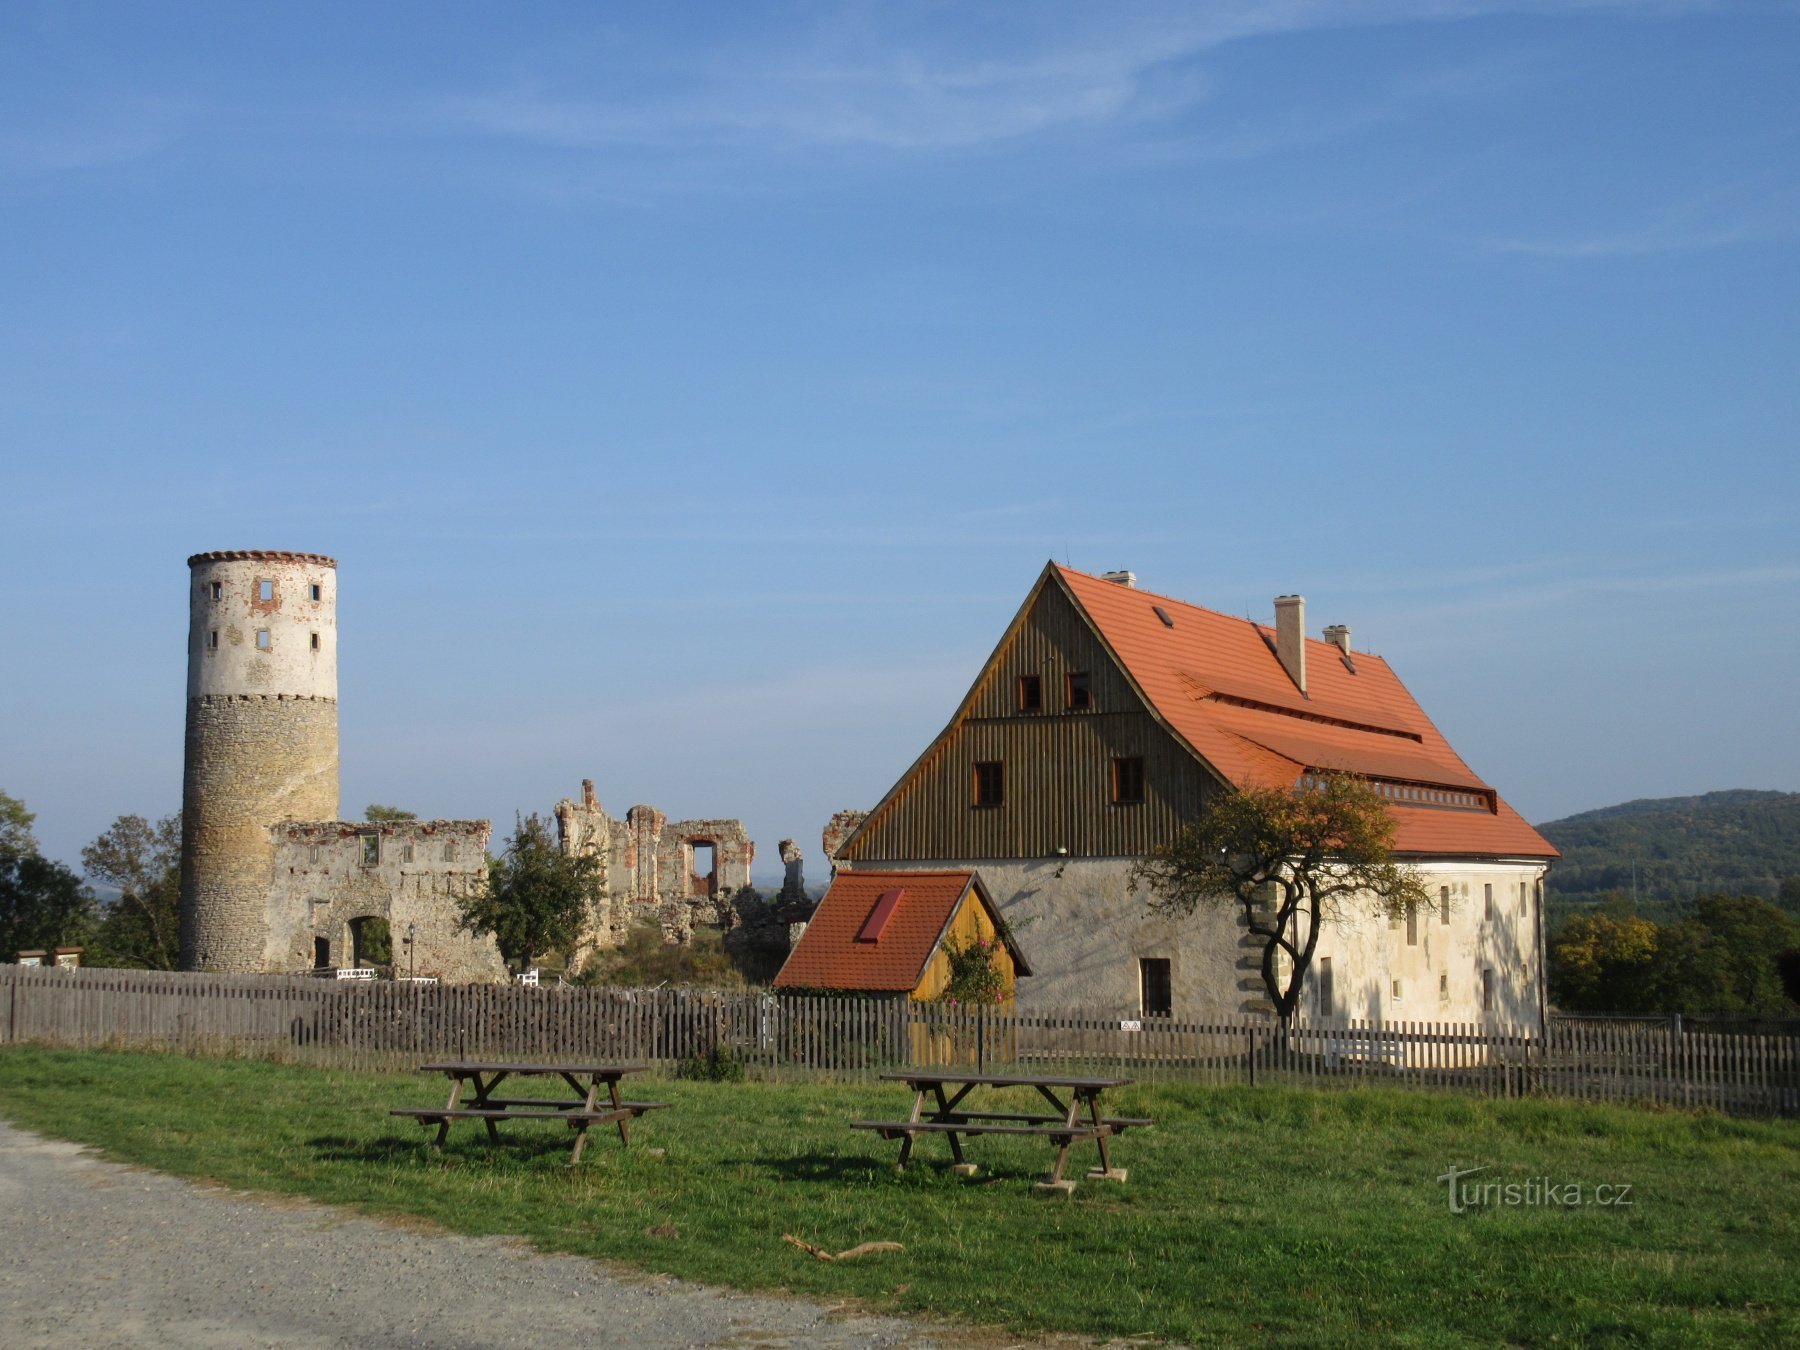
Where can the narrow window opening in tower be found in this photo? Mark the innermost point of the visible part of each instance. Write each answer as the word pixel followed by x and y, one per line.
pixel 314 591
pixel 265 591
pixel 449 850
pixel 315 642
pixel 218 591
pixel 212 641
pixel 705 875
pixel 371 849
pixel 406 853
pixel 262 640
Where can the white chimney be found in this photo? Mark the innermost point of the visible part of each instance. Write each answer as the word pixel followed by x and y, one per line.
pixel 1290 636
pixel 1121 578
pixel 1339 634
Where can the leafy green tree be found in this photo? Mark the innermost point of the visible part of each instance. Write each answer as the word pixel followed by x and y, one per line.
pixel 1292 861
pixel 141 930
pixel 15 828
pixel 1722 961
pixel 381 814
pixel 537 897
pixel 1604 962
pixel 42 905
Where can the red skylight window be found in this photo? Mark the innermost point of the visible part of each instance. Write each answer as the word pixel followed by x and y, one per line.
pixel 885 905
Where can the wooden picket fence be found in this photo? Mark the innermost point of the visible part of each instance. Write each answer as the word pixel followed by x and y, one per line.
pixel 382 1024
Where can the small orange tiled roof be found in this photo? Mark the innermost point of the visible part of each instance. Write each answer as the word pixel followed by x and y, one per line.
pixel 1216 681
pixel 829 955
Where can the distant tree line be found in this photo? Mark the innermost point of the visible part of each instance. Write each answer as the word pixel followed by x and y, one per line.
pixel 1728 956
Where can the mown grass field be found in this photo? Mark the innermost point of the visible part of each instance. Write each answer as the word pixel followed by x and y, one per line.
pixel 1250 1214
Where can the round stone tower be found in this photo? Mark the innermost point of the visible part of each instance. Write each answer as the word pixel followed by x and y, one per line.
pixel 262 739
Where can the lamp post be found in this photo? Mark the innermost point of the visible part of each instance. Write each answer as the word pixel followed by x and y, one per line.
pixel 412 932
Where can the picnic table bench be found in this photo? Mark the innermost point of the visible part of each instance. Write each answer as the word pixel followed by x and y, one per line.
pixel 582 1110
pixel 938 1097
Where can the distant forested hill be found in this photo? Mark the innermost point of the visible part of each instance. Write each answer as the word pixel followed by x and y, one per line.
pixel 1672 849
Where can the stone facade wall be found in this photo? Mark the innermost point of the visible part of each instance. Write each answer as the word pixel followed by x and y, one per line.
pixel 1083 931
pixel 415 873
pixel 250 759
pixel 650 867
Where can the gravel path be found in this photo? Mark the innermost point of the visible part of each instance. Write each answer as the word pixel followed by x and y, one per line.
pixel 95 1254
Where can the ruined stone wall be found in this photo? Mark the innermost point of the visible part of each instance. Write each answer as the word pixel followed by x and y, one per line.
pixel 262 737
pixel 837 832
pixel 414 874
pixel 650 867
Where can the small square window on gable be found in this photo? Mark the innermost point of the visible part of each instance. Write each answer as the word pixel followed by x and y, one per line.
pixel 265 590
pixel 1031 693
pixel 1080 691
pixel 990 783
pixel 263 641
pixel 885 905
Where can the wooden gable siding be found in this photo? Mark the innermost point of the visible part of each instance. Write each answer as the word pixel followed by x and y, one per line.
pixel 969 924
pixel 1058 763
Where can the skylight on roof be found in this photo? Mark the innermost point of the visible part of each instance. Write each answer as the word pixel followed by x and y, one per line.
pixel 1163 614
pixel 885 905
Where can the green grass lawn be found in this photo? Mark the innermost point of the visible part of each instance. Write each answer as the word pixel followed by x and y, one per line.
pixel 1250 1213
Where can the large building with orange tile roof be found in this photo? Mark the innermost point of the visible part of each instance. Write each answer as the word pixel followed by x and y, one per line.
pixel 1108 715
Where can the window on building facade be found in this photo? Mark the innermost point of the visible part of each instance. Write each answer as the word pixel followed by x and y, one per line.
pixel 449 850
pixel 1395 991
pixel 371 849
pixel 1443 988
pixel 1128 781
pixel 218 590
pixel 1156 990
pixel 1080 691
pixel 263 641
pixel 1327 995
pixel 1487 989
pixel 406 853
pixel 212 641
pixel 990 782
pixel 315 642
pixel 314 591
pixel 265 591
pixel 1444 905
pixel 1487 899
pixel 1524 898
pixel 1412 923
pixel 1031 693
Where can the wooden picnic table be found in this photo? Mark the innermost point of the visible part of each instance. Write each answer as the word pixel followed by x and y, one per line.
pixel 581 1110
pixel 938 1096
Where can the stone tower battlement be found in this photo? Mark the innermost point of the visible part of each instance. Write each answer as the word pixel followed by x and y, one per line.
pixel 262 738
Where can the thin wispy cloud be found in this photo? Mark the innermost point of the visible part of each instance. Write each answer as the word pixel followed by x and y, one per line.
pixel 875 86
pixel 1746 212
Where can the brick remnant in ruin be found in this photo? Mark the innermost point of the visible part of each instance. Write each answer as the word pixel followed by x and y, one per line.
pixel 793 880
pixel 683 872
pixel 837 830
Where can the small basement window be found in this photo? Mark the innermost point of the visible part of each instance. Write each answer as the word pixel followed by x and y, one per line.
pixel 1156 990
pixel 1031 694
pixel 1128 781
pixel 265 590
pixel 990 783
pixel 1080 691
pixel 263 640
pixel 371 849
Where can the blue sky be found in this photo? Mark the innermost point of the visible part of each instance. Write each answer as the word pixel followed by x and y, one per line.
pixel 692 392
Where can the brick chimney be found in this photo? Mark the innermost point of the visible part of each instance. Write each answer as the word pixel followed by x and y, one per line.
pixel 1290 636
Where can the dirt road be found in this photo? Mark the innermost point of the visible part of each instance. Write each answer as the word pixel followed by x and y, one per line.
pixel 95 1254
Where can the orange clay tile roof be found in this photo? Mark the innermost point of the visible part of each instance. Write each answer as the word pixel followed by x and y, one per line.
pixel 1216 681
pixel 829 956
